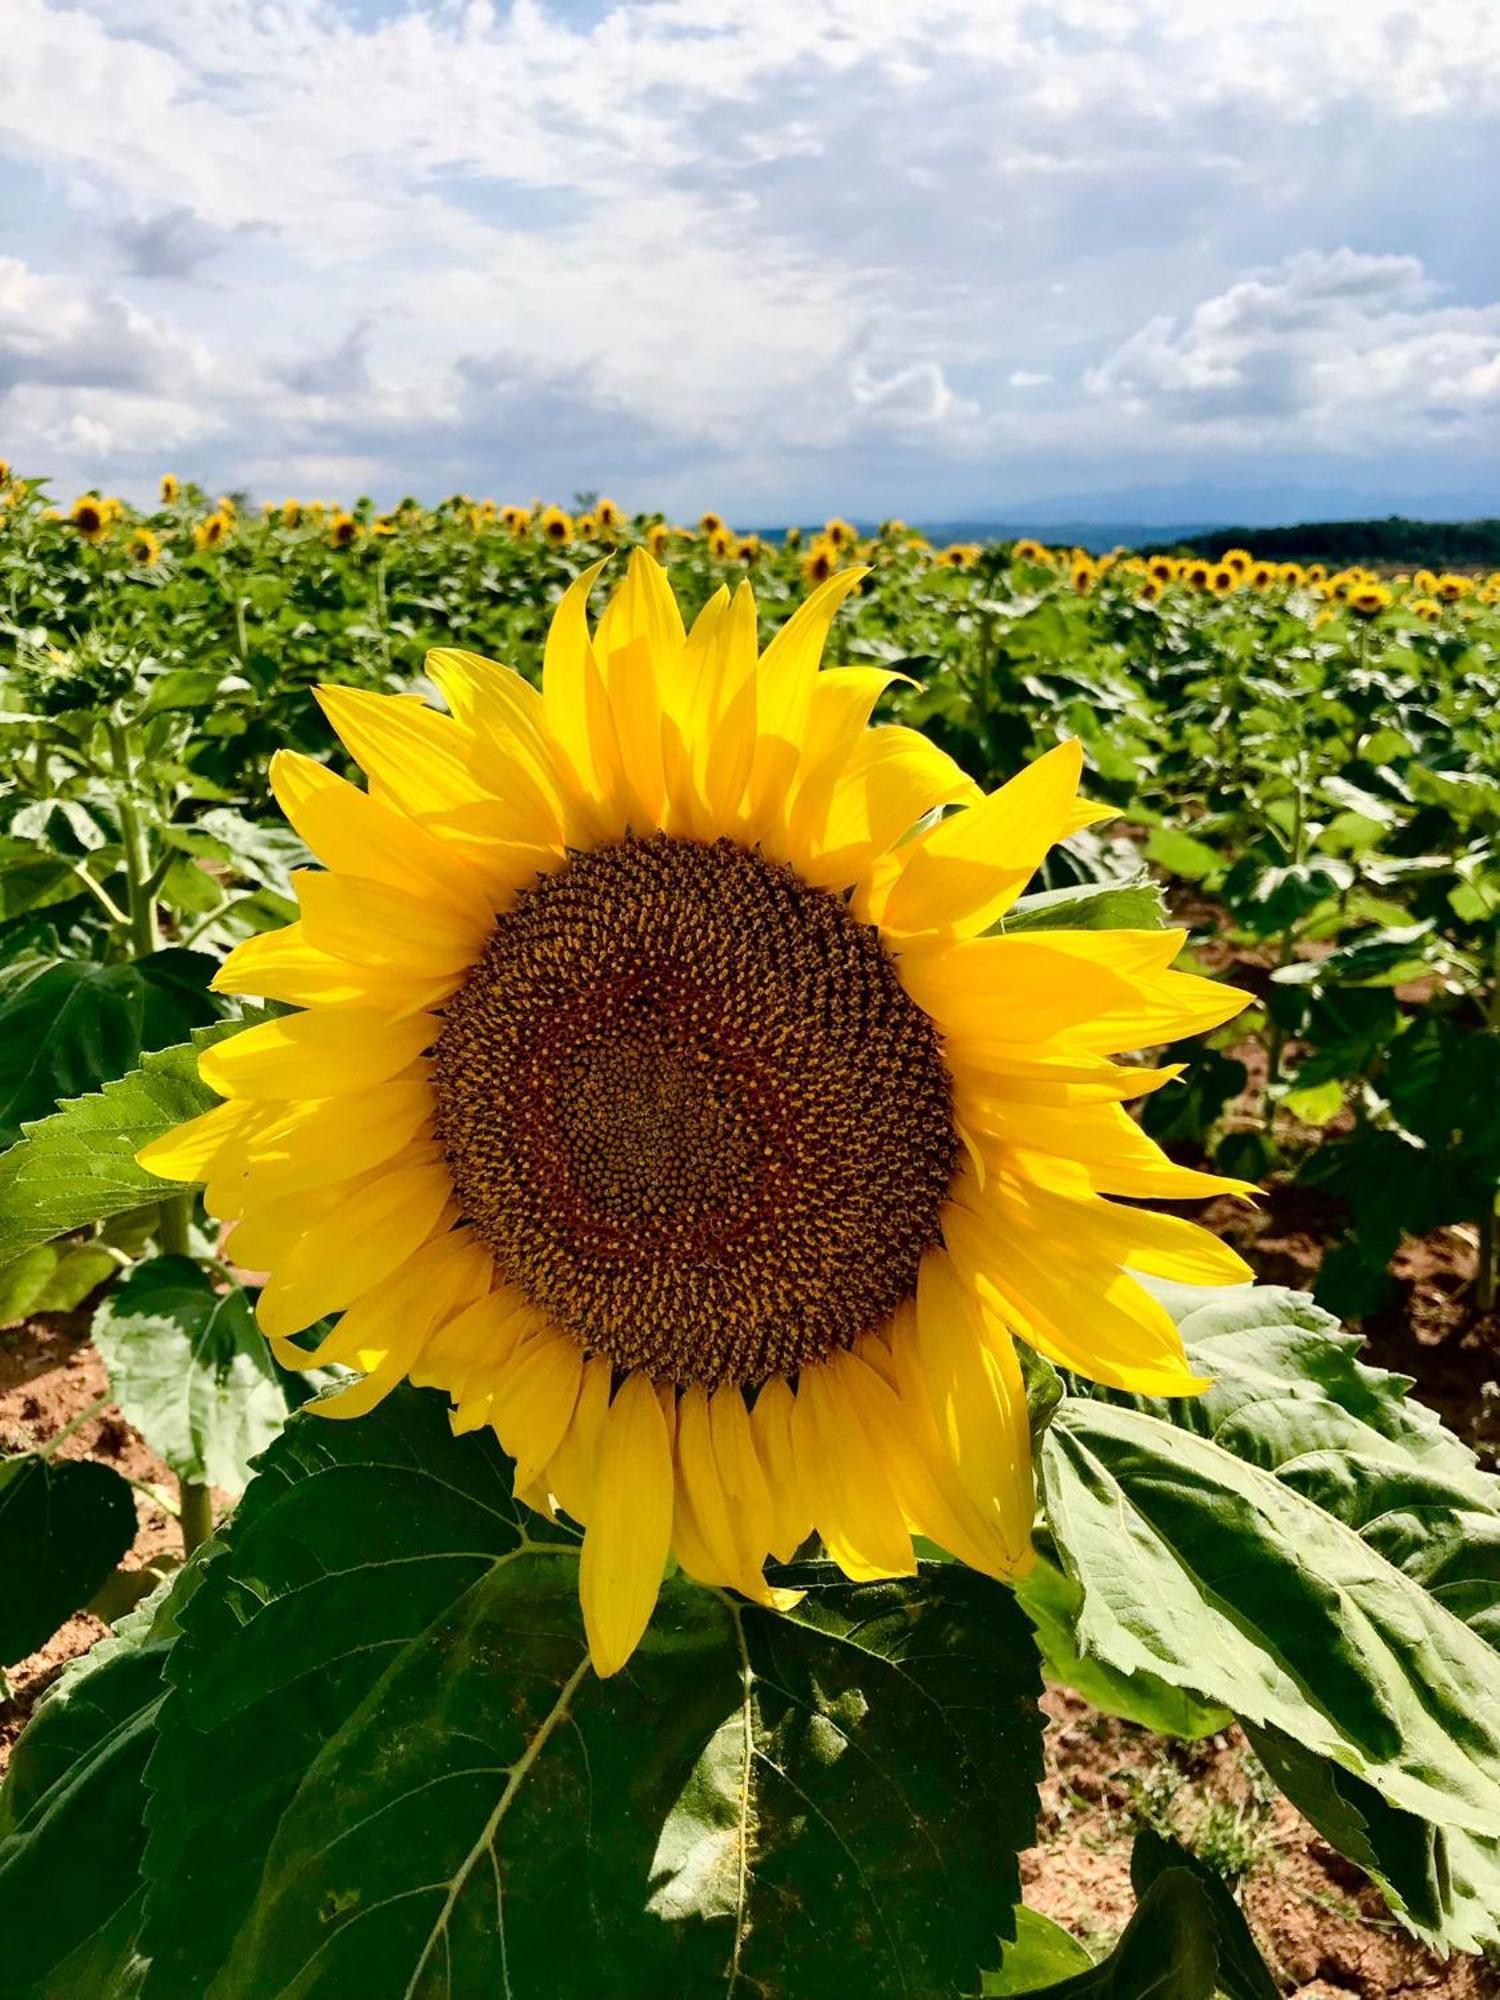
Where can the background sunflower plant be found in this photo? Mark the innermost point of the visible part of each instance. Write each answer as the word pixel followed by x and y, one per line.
pixel 670 1117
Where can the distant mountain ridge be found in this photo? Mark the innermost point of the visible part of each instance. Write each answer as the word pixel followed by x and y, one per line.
pixel 1394 540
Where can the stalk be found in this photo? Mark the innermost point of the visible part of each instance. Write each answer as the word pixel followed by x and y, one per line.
pixel 141 906
pixel 196 1514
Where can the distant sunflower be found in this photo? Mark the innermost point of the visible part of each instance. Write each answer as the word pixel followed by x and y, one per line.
pixel 90 517
pixel 1368 600
pixel 291 513
pixel 747 549
pixel 1262 576
pixel 840 534
pixel 792 539
pixel 1449 588
pixel 710 524
pixel 1161 569
pixel 1083 576
pixel 957 555
pixel 144 547
pixel 1028 551
pixel 658 539
pixel 586 527
pixel 1426 609
pixel 721 544
pixel 343 531
pixel 212 531
pixel 556 527
pixel 170 488
pixel 819 563
pixel 1198 574
pixel 517 519
pixel 665 1095
pixel 1222 580
pixel 607 514
pixel 1238 560
pixel 1150 591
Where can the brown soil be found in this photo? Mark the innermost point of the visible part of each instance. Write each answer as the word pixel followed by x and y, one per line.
pixel 1325 1933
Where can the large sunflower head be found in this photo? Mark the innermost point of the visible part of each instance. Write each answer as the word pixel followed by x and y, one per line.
pixel 667 1090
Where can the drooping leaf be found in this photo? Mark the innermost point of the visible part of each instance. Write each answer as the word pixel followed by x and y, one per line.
pixel 190 1370
pixel 52 1277
pixel 1042 1954
pixel 416 1783
pixel 64 1524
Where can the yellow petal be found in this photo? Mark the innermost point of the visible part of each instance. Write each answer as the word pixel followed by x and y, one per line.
pixel 771 1423
pixel 629 1532
pixel 439 1281
pixel 894 777
pixel 322 1053
pixel 839 1470
pixel 379 1223
pixel 370 923
pixel 1102 1140
pixel 964 873
pixel 1080 1313
pixel 320 1141
pixel 784 682
pixel 535 1396
pixel 414 758
pixel 574 1466
pixel 466 1356
pixel 188 1152
pixel 729 1545
pixel 354 834
pixel 567 668
pixel 282 965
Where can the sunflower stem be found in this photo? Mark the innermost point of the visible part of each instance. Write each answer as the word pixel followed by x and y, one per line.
pixel 174 1227
pixel 196 1514
pixel 141 900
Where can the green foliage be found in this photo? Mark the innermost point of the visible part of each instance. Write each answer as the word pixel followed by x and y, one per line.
pixel 64 1524
pixel 78 1166
pixel 189 1368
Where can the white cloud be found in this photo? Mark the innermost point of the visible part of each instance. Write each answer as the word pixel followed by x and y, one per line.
pixel 1334 344
pixel 783 247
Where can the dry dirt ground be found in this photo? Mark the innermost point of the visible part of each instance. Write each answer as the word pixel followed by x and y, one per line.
pixel 1326 1934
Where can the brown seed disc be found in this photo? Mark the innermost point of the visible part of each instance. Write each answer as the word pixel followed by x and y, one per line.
pixel 690 1107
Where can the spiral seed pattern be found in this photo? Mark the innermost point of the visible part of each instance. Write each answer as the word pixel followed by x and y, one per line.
pixel 690 1107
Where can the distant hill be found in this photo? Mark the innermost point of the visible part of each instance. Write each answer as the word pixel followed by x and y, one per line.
pixel 1395 542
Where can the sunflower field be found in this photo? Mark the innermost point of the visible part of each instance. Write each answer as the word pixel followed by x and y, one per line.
pixel 662 1142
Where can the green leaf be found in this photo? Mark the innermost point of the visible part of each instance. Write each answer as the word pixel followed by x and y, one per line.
pixel 1180 854
pixel 1090 906
pixel 78 1166
pixel 1169 1951
pixel 64 1524
pixel 31 878
pixel 1243 1974
pixel 1384 1485
pixel 67 1026
pixel 1223 1580
pixel 72 1812
pixel 190 1370
pixel 52 1277
pixel 387 1767
pixel 1042 1954
pixel 1052 1600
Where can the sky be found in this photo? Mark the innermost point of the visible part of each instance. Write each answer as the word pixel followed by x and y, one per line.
pixel 949 259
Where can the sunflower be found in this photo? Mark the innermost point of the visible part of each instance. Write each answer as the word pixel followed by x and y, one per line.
pixel 1290 573
pixel 1427 609
pixel 1238 560
pixel 90 517
pixel 792 539
pixel 4 471
pixel 517 519
pixel 169 488
pixel 1198 574
pixel 1368 600
pixel 586 527
pixel 1028 552
pixel 607 514
pixel 658 539
pixel 556 527
pixel 710 524
pixel 1150 591
pixel 1162 570
pixel 212 531
pixel 957 555
pixel 747 549
pixel 721 544
pixel 667 1093
pixel 343 531
pixel 1222 580
pixel 840 534
pixel 1262 576
pixel 291 513
pixel 1450 587
pixel 819 563
pixel 1084 575
pixel 144 548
